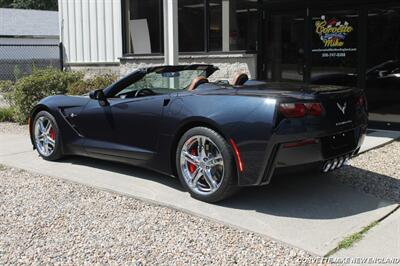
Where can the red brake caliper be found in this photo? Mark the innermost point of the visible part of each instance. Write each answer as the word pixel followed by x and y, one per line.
pixel 192 167
pixel 52 134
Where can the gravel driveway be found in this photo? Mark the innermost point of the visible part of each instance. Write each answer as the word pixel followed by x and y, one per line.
pixel 46 220
pixel 13 128
pixel 376 172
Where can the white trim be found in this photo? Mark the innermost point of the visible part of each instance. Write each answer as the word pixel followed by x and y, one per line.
pixel 171 44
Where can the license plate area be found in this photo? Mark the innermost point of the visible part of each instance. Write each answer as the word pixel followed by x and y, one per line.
pixel 338 144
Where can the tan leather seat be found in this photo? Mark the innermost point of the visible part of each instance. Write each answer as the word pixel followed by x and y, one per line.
pixel 239 79
pixel 197 82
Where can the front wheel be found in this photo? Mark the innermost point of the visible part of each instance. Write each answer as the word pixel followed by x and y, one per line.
pixel 46 136
pixel 206 165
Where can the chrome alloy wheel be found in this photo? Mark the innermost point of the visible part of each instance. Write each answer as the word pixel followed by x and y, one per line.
pixel 202 165
pixel 45 136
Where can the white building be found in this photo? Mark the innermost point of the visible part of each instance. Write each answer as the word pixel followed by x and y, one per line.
pixel 122 35
pixel 25 26
pixel 28 38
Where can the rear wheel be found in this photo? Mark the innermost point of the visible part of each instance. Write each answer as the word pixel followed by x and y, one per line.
pixel 46 136
pixel 205 165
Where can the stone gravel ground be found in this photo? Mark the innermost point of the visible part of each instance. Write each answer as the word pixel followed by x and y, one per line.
pixel 49 221
pixel 376 172
pixel 13 128
pixel 46 220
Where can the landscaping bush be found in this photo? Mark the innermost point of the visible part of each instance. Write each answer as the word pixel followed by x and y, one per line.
pixel 29 90
pixel 6 86
pixel 85 86
pixel 6 115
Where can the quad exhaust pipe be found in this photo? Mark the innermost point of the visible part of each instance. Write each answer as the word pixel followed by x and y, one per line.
pixel 335 163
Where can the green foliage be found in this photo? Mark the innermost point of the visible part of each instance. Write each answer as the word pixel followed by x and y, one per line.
pixel 6 86
pixel 7 115
pixel 30 4
pixel 350 240
pixel 6 3
pixel 97 82
pixel 17 72
pixel 29 90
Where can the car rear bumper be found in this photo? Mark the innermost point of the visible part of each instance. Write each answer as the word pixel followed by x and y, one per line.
pixel 312 149
pixel 320 149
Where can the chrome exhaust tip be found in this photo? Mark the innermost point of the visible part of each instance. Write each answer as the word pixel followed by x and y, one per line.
pixel 327 166
pixel 347 160
pixel 334 164
pixel 340 163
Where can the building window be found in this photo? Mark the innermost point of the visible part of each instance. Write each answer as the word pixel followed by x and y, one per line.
pixel 144 26
pixel 204 25
pixel 215 28
pixel 191 25
pixel 383 65
pixel 335 44
pixel 218 25
pixel 243 24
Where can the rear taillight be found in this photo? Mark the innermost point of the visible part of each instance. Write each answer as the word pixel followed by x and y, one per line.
pixel 292 110
pixel 314 109
pixel 297 110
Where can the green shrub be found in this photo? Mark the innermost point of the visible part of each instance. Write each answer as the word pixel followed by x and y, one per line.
pixel 97 82
pixel 29 90
pixel 6 86
pixel 17 72
pixel 6 115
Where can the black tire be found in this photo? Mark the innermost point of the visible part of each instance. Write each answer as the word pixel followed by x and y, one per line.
pixel 228 185
pixel 57 152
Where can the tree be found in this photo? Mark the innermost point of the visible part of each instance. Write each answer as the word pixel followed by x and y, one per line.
pixel 6 3
pixel 30 4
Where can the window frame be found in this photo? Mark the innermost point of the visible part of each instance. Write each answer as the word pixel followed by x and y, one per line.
pixel 206 22
pixel 125 30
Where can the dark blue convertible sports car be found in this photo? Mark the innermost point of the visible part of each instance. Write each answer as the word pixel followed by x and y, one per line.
pixel 214 136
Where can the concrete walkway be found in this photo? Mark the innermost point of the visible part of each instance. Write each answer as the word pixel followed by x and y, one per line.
pixel 377 138
pixel 382 241
pixel 311 212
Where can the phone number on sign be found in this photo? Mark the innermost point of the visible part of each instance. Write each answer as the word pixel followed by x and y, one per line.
pixel 327 55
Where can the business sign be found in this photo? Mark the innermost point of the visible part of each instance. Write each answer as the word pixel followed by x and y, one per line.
pixel 333 37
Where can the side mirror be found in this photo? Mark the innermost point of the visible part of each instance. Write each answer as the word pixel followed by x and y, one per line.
pixel 99 96
pixel 383 73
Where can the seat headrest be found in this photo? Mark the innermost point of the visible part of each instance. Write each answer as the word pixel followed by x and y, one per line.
pixel 239 79
pixel 197 81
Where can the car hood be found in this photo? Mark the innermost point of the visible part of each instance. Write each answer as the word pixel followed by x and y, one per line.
pixel 65 101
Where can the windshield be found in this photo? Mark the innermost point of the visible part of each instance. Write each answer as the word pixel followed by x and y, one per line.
pixel 164 81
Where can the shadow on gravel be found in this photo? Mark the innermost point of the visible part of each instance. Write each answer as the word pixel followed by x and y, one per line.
pixel 308 196
pixel 316 196
pixel 381 186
